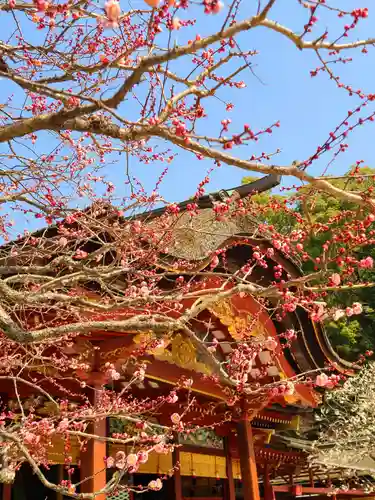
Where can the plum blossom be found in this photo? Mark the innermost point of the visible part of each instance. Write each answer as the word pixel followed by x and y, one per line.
pixel 175 418
pixel 63 241
pixel 319 313
pixel 176 23
pixel 212 348
pixel 214 262
pixel 31 438
pixel 80 254
pixel 366 263
pixel 131 460
pixel 187 383
pixel 218 7
pixel 270 344
pixel 172 398
pixel 137 226
pixel 322 380
pixel 153 3
pixel 63 425
pixel 120 461
pixel 336 279
pixel 41 5
pixel 255 373
pixel 140 374
pixel 155 485
pixel 159 448
pixel 357 308
pixel 338 314
pixel 349 311
pixel 142 457
pixel 111 372
pixel 289 389
pixel 113 10
pixel 290 334
pixel 213 6
pixel 110 462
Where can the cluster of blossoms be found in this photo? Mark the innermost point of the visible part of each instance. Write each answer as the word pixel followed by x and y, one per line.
pixel 213 6
pixel 355 309
pixel 329 382
pixel 129 462
pixel 135 276
pixel 253 361
pixel 112 10
pixel 362 12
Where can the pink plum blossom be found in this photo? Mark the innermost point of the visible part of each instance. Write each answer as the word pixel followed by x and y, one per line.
pixel 270 344
pixel 338 314
pixel 217 7
pixel 153 3
pixel 322 380
pixel 113 10
pixel 349 311
pixel 175 418
pixel 131 460
pixel 366 263
pixel 120 461
pixel 357 308
pixel 172 398
pixel 142 457
pixel 336 279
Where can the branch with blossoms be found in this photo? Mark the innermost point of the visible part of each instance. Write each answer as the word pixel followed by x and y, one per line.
pixel 28 432
pixel 42 273
pixel 97 263
pixel 63 80
pixel 91 88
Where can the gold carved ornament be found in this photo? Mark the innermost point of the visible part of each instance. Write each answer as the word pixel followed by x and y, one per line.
pixel 235 323
pixel 178 351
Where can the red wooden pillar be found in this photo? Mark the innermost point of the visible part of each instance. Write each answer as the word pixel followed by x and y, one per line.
pixel 177 475
pixel 93 471
pixel 230 488
pixel 269 493
pixel 247 460
pixel 7 492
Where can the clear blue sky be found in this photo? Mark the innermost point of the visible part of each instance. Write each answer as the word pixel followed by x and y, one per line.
pixel 308 108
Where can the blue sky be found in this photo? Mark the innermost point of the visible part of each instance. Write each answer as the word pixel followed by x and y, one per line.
pixel 308 108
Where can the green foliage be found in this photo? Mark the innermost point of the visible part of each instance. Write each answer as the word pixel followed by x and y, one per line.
pixel 284 219
pixel 350 337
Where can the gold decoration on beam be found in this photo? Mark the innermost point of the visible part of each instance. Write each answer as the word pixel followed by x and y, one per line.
pixel 178 351
pixel 236 323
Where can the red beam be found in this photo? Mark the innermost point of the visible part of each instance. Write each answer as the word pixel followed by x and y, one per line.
pixel 307 490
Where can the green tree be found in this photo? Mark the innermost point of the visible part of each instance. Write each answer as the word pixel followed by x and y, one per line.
pixel 349 336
